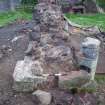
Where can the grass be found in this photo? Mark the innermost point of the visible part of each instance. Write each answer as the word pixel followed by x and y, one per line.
pixel 100 79
pixel 88 20
pixel 84 20
pixel 9 17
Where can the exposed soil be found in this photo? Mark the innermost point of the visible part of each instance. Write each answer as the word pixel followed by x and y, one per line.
pixel 7 65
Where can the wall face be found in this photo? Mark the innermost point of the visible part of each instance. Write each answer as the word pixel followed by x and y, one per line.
pixel 5 5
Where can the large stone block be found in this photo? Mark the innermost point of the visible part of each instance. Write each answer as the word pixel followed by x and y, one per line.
pixel 90 49
pixel 27 75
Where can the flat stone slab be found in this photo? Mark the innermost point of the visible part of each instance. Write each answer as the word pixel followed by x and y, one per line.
pixel 75 79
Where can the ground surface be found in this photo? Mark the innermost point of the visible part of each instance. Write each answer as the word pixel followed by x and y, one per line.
pixel 7 64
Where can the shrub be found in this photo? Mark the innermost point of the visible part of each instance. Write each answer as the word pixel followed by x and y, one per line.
pixel 101 3
pixel 28 2
pixel 28 5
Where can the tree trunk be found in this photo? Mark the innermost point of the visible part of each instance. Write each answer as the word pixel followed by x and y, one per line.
pixel 92 7
pixel 12 5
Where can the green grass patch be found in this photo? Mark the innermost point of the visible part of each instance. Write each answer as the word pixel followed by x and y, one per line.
pixel 9 17
pixel 88 19
pixel 100 79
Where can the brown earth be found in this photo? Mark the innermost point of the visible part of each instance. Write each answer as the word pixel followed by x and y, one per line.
pixel 9 59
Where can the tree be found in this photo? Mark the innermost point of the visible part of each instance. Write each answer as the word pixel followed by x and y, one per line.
pixel 92 6
pixel 12 5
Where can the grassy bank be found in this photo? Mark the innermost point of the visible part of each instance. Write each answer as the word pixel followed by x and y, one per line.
pixel 85 20
pixel 88 20
pixel 9 17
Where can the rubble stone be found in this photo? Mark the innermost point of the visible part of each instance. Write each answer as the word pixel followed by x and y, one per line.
pixel 48 15
pixel 55 43
pixel 76 81
pixel 44 97
pixel 33 50
pixel 35 36
pixel 57 58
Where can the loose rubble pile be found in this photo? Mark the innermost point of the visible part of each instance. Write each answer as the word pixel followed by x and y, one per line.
pixel 49 53
pixel 49 50
pixel 5 51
